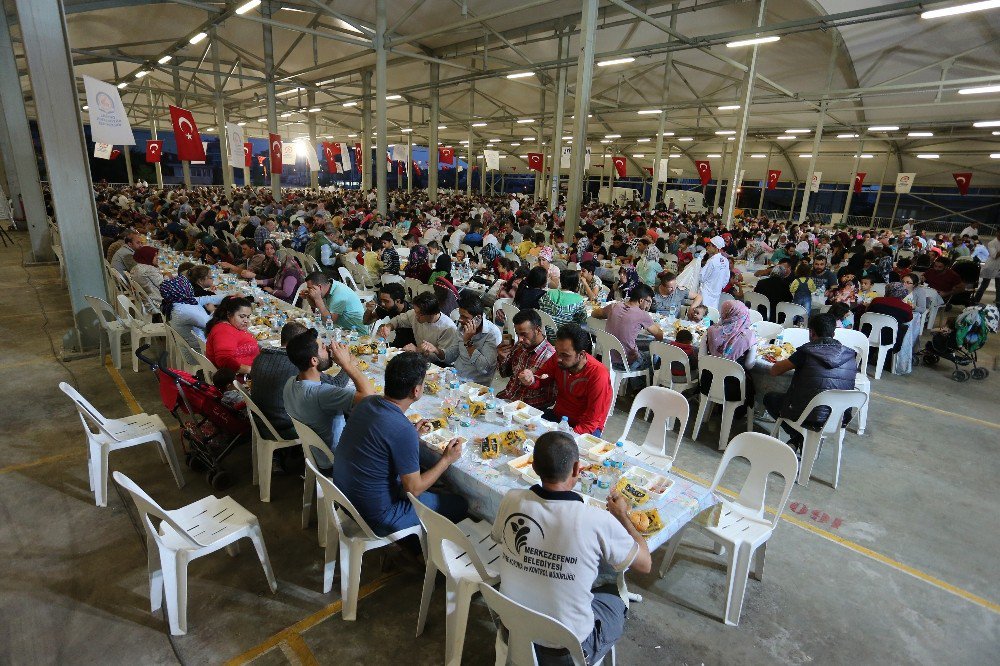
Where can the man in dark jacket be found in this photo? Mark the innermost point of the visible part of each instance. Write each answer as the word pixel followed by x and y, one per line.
pixel 775 286
pixel 821 364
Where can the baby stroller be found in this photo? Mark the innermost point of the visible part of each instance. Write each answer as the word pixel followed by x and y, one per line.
pixel 960 343
pixel 210 430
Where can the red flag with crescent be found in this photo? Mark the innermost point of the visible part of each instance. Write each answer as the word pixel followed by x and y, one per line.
pixel 772 178
pixel 189 147
pixel 274 148
pixel 357 156
pixel 704 170
pixel 261 159
pixel 859 180
pixel 154 149
pixel 535 161
pixel 416 169
pixel 247 154
pixel 400 169
pixel 963 179
pixel 330 153
pixel 115 153
pixel 620 166
pixel 446 155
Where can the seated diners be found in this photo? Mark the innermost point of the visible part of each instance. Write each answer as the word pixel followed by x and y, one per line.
pixel 322 406
pixel 335 300
pixel 626 319
pixel 552 522
pixel 531 352
pixel 146 273
pixel 565 305
pixel 186 313
pixel 733 337
pixel 378 460
pixel 477 353
pixel 581 382
pixel 229 345
pixel 667 296
pixel 390 302
pixel 434 335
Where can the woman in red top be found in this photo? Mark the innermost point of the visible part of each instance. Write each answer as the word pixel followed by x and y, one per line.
pixel 229 345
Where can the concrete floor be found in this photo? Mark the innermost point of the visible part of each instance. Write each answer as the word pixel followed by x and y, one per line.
pixel 895 567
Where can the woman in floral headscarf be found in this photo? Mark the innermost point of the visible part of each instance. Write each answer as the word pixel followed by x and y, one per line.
pixel 733 337
pixel 417 265
pixel 186 312
pixel 545 254
pixel 628 278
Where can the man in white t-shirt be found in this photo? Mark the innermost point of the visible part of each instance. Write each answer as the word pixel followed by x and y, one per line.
pixel 553 543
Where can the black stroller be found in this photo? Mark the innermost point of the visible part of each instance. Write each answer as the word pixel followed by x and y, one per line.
pixel 961 342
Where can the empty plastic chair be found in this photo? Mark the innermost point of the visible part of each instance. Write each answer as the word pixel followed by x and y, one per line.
pixel 722 382
pixel 184 535
pixel 113 327
pixel 389 278
pixel 313 444
pixel 742 528
pixel 105 435
pixel 755 316
pixel 262 448
pixel 838 402
pixel 665 405
pixel 785 313
pixel 139 329
pixel 664 376
pixel 466 554
pixel 767 330
pixel 879 323
pixel 758 303
pixel 354 538
pixel 548 323
pixel 348 279
pixel 858 341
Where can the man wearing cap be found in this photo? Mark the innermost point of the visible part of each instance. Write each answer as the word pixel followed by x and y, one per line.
pixel 714 274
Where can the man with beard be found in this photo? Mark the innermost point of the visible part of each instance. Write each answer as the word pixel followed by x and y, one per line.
pixel 322 407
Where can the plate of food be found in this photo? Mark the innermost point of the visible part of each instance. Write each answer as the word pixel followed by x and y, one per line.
pixel 414 417
pixel 521 463
pixel 658 485
pixel 475 391
pixel 647 521
pixel 775 353
pixel 527 415
pixel 515 406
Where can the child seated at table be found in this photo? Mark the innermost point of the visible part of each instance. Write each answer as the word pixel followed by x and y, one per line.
pixel 842 313
pixel 685 342
pixel 865 293
pixel 697 313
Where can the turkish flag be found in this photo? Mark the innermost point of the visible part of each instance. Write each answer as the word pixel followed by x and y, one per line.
pixel 446 155
pixel 963 180
pixel 859 179
pixel 260 160
pixel 247 154
pixel 400 169
pixel 153 151
pixel 704 170
pixel 189 147
pixel 115 153
pixel 535 161
pixel 330 153
pixel 416 169
pixel 772 178
pixel 274 141
pixel 357 156
pixel 620 166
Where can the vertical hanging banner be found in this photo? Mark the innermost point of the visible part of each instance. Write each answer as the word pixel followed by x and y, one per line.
pixel 234 139
pixel 567 152
pixel 859 180
pixel 343 153
pixel 817 178
pixel 704 171
pixel 102 151
pixel 446 155
pixel 904 181
pixel 586 159
pixel 289 154
pixel 247 154
pixel 108 120
pixel 115 153
pixel 274 151
pixel 331 151
pixel 260 160
pixel 772 178
pixel 154 151
pixel 664 174
pixel 189 145
pixel 400 153
pixel 306 146
pixel 963 179
pixel 358 162
pixel 204 149
pixel 620 167
pixel 416 169
pixel 492 160
pixel 535 161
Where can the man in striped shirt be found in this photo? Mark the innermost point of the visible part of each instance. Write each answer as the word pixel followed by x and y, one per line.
pixel 530 352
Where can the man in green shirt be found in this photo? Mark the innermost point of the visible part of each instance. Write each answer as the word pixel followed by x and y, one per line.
pixel 335 300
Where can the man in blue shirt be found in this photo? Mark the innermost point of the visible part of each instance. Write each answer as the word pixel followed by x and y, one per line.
pixel 378 458
pixel 335 300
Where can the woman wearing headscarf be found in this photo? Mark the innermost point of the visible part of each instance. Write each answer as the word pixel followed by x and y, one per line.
pixel 734 338
pixel 545 254
pixel 147 274
pixel 892 304
pixel 447 295
pixel 287 282
pixel 628 278
pixel 186 313
pixel 649 263
pixel 417 265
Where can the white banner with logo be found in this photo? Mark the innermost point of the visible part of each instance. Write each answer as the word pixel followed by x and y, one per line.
pixel 108 120
pixel 204 146
pixel 564 159
pixel 234 136
pixel 904 181
pixel 664 173
pixel 289 153
pixel 102 151
pixel 492 160
pixel 815 181
pixel 400 153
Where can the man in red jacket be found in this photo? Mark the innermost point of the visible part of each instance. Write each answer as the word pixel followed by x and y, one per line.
pixel 581 382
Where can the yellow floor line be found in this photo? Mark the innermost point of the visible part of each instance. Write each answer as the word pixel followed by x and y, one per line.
pixel 988 424
pixel 298 652
pixel 858 548
pixel 41 461
pixel 305 624
pixel 123 388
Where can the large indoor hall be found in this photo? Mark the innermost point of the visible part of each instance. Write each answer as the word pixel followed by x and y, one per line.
pixel 517 332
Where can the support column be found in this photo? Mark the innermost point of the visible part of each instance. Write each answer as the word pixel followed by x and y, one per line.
pixel 767 168
pixel 313 175
pixel 409 159
pixel 366 130
pixel 721 179
pixel 380 105
pixel 266 9
pixel 881 181
pixel 584 80
pixel 818 136
pixel 432 143
pixel 179 101
pixel 50 66
pixel 795 193
pixel 153 133
pixel 10 185
pixel 472 115
pixel 741 137
pixel 127 154
pixel 220 119
pixel 654 191
pixel 19 153
pixel 850 184
pixel 540 175
pixel 555 161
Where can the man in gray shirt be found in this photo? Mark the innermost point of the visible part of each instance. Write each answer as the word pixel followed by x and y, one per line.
pixel 477 353
pixel 435 335
pixel 122 260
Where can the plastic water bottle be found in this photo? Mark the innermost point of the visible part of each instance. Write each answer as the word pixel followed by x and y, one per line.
pixel 564 424
pixel 604 478
pixel 318 321
pixel 454 385
pixel 382 347
pixel 329 328
pixel 618 458
pixel 780 338
pixel 466 415
pixel 491 400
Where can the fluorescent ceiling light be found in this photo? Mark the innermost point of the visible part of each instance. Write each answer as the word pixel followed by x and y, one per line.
pixel 612 136
pixel 848 136
pixel 605 140
pixel 867 156
pixel 197 38
pixel 996 133
pixel 674 155
pixel 979 91
pixel 927 156
pixel 121 85
pixel 755 40
pixel 315 109
pixel 515 144
pixel 920 134
pixel 286 115
pixel 520 75
pixel 805 154
pixel 668 134
pixel 797 131
pixel 352 136
pixel 464 143
pixel 393 97
pixel 348 105
pixel 732 138
pixel 262 120
pixel 786 137
pixel 995 156
pixel 493 141
pixel 987 123
pixel 713 155
pixel 729 107
pixel 85 107
pixel 210 129
pixel 479 124
pixel 638 155
pixel 883 128
pixel 567 138
pixel 648 112
pixel 141 73
pixel 529 138
pixel 685 138
pixel 242 123
pixel 961 9
pixel 758 156
pixel 616 61
pixel 164 59
pixel 441 127
pixel 288 92
pixel 406 129
pixel 247 6
pixel 725 132
pixel 525 121
pixel 643 140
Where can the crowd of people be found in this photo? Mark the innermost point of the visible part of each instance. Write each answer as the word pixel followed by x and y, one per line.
pixel 624 264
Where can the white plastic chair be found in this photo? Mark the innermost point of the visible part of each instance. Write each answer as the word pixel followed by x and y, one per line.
pixel 713 314
pixel 838 402
pixel 743 529
pixel 879 288
pixel 767 330
pixel 932 305
pixel 668 355
pixel 525 627
pixel 262 448
pixel 113 327
pixel 609 343
pixel 509 310
pixel 755 316
pixel 312 443
pixel 348 279
pixel 795 336
pixel 548 323
pixel 412 286
pixel 354 539
pixel 105 435
pixel 299 297
pixel 183 353
pixel 184 535
pixel 139 329
pixel 757 303
pixel 858 341
pixel 714 372
pixel 880 322
pixel 665 405
pixel 785 313
pixel 206 366
pixel 389 278
pixel 464 553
